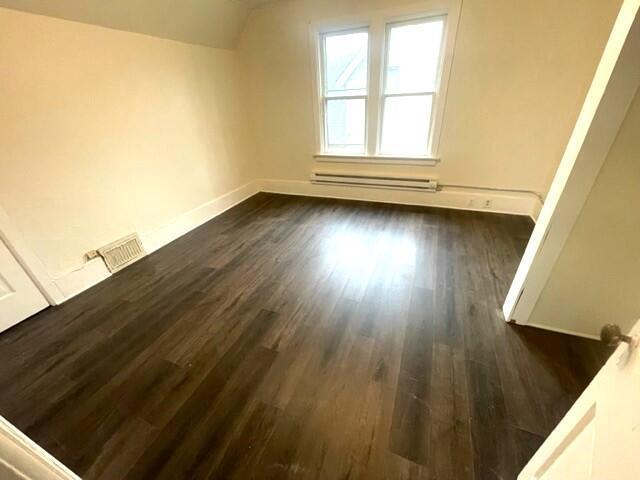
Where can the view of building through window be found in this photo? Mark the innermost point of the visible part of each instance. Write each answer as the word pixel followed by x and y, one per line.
pixel 345 83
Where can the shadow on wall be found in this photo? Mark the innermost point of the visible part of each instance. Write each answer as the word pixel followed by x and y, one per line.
pixel 595 280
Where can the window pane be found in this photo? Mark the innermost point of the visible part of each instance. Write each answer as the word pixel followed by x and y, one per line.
pixel 345 125
pixel 406 125
pixel 414 57
pixel 345 63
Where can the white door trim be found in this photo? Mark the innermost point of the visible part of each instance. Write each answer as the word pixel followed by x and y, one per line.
pixel 613 88
pixel 28 260
pixel 21 455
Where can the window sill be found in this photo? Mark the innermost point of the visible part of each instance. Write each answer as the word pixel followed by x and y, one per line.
pixel 376 159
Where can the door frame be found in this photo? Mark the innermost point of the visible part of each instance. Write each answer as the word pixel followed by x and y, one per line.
pixel 20 454
pixel 29 261
pixel 614 87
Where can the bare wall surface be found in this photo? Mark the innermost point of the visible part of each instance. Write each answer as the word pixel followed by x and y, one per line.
pixel 214 23
pixel 520 74
pixel 105 133
pixel 595 280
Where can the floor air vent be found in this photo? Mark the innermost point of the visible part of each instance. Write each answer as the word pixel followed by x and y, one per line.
pixel 375 181
pixel 123 252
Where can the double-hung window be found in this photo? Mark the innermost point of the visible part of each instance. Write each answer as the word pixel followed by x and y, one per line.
pixel 345 79
pixel 381 90
pixel 411 67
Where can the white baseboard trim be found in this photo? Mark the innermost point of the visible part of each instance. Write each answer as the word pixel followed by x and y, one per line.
pixel 192 219
pixel 535 210
pixel 77 281
pixel 561 330
pixel 455 198
pixel 95 271
pixel 21 457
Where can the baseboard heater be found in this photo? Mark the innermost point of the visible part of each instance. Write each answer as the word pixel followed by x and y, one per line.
pixel 375 180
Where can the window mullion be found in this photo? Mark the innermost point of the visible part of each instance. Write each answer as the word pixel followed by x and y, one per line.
pixel 376 48
pixel 409 94
pixel 321 52
pixel 345 97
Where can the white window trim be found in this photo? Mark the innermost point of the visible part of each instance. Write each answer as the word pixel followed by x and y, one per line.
pixel 433 93
pixel 377 24
pixel 320 36
pixel 376 159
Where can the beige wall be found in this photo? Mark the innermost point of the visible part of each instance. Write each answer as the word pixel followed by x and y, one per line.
pixel 104 133
pixel 596 279
pixel 520 74
pixel 213 23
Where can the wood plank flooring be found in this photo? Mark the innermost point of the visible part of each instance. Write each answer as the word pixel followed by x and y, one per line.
pixel 299 338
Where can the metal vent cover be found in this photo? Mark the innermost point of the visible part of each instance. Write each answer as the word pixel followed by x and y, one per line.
pixel 122 253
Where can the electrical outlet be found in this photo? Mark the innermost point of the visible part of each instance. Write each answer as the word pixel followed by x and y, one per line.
pixel 487 204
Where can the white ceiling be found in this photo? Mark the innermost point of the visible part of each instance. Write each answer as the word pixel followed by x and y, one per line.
pixel 215 23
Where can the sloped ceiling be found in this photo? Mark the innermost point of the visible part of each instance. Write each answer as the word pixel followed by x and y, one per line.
pixel 214 23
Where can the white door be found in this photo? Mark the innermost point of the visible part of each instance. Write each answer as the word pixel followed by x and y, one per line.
pixel 19 297
pixel 599 438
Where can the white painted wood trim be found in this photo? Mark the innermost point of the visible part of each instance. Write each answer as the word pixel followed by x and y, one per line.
pixel 20 454
pixel 613 88
pixel 196 217
pixel 376 21
pixel 454 198
pixel 376 159
pixel 31 264
pixel 76 281
pixel 95 271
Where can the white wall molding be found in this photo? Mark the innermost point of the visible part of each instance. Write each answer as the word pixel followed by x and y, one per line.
pixel 31 264
pixel 455 198
pixel 196 217
pixel 80 279
pixel 95 271
pixel 21 457
pixel 615 83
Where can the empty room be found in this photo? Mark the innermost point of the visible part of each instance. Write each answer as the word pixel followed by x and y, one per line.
pixel 319 239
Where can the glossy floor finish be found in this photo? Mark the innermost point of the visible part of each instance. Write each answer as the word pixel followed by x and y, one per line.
pixel 299 338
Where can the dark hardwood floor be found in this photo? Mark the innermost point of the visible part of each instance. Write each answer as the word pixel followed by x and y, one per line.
pixel 300 338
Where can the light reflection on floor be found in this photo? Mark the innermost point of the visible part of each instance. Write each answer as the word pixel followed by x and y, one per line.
pixel 357 252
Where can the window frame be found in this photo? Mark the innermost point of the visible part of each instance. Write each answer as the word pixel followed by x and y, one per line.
pixel 323 90
pixel 379 24
pixel 433 94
